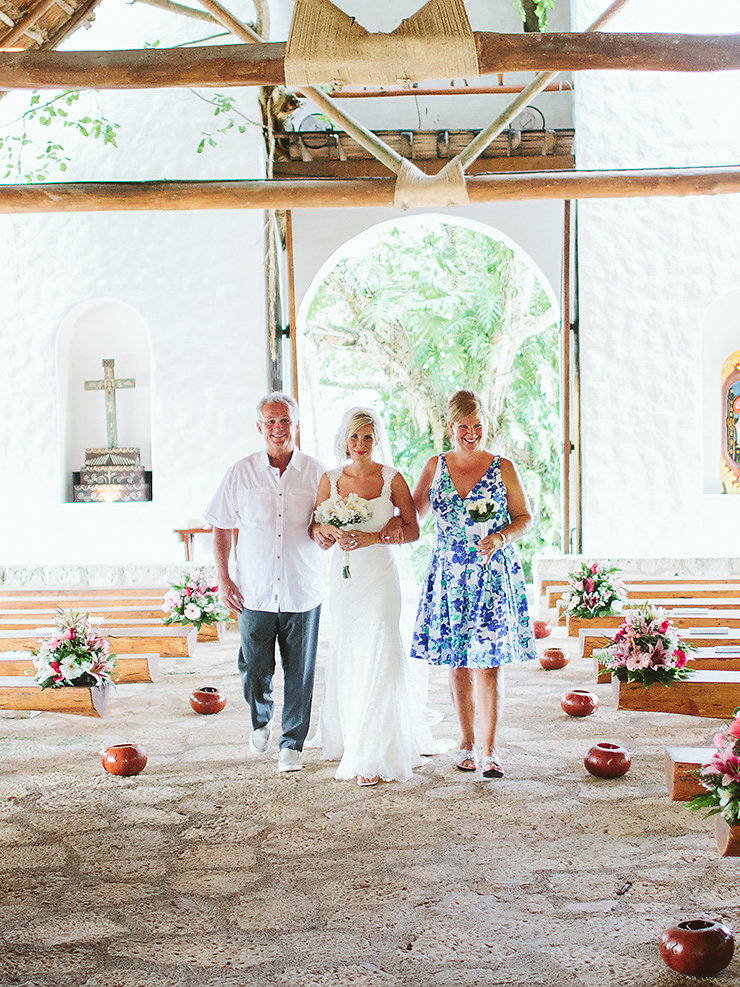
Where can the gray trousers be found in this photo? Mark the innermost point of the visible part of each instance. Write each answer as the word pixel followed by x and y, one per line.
pixel 297 635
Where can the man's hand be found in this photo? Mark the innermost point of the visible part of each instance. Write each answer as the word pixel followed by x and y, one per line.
pixel 324 535
pixel 229 593
pixel 391 534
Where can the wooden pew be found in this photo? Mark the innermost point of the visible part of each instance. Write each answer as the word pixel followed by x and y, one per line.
pixel 670 588
pixel 681 765
pixel 591 641
pixel 684 619
pixel 561 584
pixel 15 694
pixel 666 602
pixel 109 593
pixel 130 669
pixel 31 619
pixel 715 695
pixel 169 642
pixel 705 659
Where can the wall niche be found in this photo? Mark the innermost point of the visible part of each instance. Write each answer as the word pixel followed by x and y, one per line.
pixel 104 380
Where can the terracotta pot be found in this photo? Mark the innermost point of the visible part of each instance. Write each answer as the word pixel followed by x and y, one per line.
pixel 553 658
pixel 207 700
pixel 579 702
pixel 541 629
pixel 605 760
pixel 697 948
pixel 124 759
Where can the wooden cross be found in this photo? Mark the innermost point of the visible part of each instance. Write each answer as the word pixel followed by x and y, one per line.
pixel 110 384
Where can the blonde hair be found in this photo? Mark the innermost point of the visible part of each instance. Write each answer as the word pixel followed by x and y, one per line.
pixel 464 403
pixel 355 418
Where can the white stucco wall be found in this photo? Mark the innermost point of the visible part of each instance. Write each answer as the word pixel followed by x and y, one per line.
pixel 194 278
pixel 649 271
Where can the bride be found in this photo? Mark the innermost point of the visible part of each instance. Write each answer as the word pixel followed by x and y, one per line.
pixel 366 717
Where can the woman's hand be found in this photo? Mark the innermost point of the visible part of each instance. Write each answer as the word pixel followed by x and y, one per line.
pixel 491 543
pixel 391 534
pixel 324 535
pixel 352 539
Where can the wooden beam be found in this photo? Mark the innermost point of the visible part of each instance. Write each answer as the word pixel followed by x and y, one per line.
pixel 681 765
pixel 27 20
pixel 129 668
pixel 361 193
pixel 78 700
pixel 261 63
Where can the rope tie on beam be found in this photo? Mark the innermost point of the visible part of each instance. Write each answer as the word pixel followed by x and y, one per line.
pixel 415 188
pixel 327 47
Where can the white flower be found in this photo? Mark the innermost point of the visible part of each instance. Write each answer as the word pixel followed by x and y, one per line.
pixel 191 611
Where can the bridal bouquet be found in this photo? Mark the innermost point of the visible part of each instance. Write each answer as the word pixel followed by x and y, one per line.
pixel 343 512
pixel 595 590
pixel 721 775
pixel 76 654
pixel 193 599
pixel 647 648
pixel 482 512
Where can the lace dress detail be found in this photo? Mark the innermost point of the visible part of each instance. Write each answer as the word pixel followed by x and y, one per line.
pixel 471 615
pixel 367 722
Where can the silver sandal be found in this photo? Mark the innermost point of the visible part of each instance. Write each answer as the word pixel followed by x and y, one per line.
pixel 463 755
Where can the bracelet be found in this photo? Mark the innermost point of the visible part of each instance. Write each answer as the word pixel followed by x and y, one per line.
pixel 504 538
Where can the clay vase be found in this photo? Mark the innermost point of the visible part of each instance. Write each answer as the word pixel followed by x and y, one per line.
pixel 605 760
pixel 697 948
pixel 207 700
pixel 124 759
pixel 553 658
pixel 579 702
pixel 541 629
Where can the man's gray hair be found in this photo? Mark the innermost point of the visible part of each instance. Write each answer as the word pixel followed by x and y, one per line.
pixel 278 397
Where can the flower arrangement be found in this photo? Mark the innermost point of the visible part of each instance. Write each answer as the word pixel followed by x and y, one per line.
pixel 343 512
pixel 482 512
pixel 595 590
pixel 647 648
pixel 721 775
pixel 76 654
pixel 193 599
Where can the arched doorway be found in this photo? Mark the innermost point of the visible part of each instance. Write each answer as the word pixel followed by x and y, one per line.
pixel 414 308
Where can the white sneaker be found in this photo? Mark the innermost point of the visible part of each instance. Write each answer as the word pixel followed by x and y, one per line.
pixel 290 760
pixel 260 740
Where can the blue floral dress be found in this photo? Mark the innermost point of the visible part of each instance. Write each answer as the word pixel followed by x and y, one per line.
pixel 471 615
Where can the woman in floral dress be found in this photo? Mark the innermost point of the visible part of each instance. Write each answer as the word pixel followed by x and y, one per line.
pixel 473 613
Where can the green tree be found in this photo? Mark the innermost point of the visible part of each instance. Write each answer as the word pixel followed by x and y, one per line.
pixel 426 311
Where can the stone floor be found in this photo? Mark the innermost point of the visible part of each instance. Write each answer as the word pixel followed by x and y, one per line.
pixel 211 869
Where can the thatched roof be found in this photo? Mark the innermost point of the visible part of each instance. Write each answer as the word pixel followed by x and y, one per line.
pixel 41 24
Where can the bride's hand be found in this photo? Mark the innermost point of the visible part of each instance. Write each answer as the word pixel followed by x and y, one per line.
pixel 350 540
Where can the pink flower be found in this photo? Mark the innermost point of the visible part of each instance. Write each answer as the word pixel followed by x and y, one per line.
pixel 58 676
pixel 662 628
pixel 69 634
pixel 188 591
pixel 680 658
pixel 719 741
pixel 56 642
pixel 590 584
pixel 595 568
pixel 734 728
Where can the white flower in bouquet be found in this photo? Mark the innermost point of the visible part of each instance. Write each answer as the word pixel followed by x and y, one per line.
pixel 343 512
pixel 191 611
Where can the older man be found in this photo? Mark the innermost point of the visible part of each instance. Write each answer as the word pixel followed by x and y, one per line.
pixel 270 496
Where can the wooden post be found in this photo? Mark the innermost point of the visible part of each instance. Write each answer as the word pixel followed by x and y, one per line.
pixel 565 378
pixel 292 310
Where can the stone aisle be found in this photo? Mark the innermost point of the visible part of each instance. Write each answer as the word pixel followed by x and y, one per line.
pixel 211 869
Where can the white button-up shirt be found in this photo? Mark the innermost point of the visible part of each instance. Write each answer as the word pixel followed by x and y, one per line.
pixel 278 565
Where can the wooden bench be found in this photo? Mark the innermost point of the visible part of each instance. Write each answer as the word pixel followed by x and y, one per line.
pixel 16 694
pixel 591 641
pixel 31 619
pixel 669 602
pixel 553 589
pixel 129 669
pixel 169 642
pixel 107 593
pixel 705 659
pixel 684 619
pixel 714 695
pixel 681 765
pixel 650 591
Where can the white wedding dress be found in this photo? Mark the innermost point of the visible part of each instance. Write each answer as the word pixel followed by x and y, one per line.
pixel 370 721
